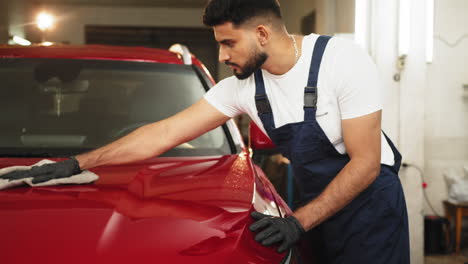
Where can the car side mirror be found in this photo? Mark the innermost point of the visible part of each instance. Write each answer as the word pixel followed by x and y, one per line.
pixel 258 139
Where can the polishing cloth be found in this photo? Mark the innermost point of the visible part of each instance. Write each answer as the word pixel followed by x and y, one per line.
pixel 84 177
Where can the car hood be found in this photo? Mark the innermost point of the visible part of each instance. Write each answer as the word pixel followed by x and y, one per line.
pixel 182 210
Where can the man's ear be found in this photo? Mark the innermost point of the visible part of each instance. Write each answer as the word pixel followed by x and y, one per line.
pixel 263 34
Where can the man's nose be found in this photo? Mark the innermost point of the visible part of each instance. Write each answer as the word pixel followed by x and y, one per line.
pixel 223 55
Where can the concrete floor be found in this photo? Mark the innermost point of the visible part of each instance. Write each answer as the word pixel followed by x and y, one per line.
pixel 446 259
pixel 461 258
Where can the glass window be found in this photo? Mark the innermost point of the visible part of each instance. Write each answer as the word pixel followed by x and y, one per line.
pixel 60 107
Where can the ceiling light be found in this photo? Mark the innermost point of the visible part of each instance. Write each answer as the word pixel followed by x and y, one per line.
pixel 21 41
pixel 44 21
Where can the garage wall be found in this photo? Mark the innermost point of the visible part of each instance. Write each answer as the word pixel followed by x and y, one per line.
pixel 76 17
pixel 17 17
pixel 3 22
pixel 332 16
pixel 426 113
pixel 294 11
pixel 344 16
pixel 446 119
pixel 411 126
pixel 12 19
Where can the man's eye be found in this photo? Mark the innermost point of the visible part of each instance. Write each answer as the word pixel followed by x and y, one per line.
pixel 225 44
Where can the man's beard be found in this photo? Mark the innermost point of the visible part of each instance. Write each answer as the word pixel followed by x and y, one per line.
pixel 255 62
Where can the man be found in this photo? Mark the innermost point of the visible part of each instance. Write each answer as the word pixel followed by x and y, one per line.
pixel 320 101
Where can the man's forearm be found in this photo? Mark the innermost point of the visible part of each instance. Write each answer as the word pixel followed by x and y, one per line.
pixel 156 138
pixel 145 142
pixel 356 176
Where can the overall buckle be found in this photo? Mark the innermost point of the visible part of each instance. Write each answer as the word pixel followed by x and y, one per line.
pixel 310 97
pixel 262 103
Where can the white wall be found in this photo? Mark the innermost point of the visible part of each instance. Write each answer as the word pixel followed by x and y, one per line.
pixel 412 110
pixel 425 113
pixel 446 117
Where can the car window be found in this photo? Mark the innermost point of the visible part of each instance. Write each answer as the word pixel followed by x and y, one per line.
pixel 59 107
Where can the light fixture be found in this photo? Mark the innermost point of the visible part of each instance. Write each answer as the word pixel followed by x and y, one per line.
pixel 429 31
pixel 361 23
pixel 404 27
pixel 21 41
pixel 44 21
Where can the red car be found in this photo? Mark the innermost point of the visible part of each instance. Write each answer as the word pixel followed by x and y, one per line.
pixel 190 205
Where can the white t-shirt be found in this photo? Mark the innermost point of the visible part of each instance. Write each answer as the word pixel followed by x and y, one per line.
pixel 348 86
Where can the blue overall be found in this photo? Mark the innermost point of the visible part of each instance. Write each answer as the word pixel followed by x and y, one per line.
pixel 373 228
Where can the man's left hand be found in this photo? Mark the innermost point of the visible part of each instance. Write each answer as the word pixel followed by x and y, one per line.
pixel 276 230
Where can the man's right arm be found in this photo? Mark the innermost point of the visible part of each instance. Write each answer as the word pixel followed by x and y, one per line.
pixel 156 138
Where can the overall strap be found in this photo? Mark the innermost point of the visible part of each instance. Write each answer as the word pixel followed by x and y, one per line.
pixel 262 103
pixel 396 154
pixel 310 91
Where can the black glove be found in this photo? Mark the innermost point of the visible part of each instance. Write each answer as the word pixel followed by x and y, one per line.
pixel 276 230
pixel 46 172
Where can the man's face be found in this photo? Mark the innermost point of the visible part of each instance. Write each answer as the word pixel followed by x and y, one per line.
pixel 238 48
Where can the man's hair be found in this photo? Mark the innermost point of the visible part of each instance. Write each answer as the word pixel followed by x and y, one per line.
pixel 218 12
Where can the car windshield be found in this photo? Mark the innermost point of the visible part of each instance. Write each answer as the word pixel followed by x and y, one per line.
pixel 61 107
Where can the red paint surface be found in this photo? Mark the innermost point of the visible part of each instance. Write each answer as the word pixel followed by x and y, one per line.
pixel 91 52
pixel 258 139
pixel 98 52
pixel 178 210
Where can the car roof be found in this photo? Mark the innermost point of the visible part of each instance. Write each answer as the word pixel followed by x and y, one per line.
pixel 105 52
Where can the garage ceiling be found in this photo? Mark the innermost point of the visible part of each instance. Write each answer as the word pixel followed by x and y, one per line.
pixel 154 3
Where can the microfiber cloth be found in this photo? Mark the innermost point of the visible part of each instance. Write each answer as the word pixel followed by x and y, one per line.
pixel 84 177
